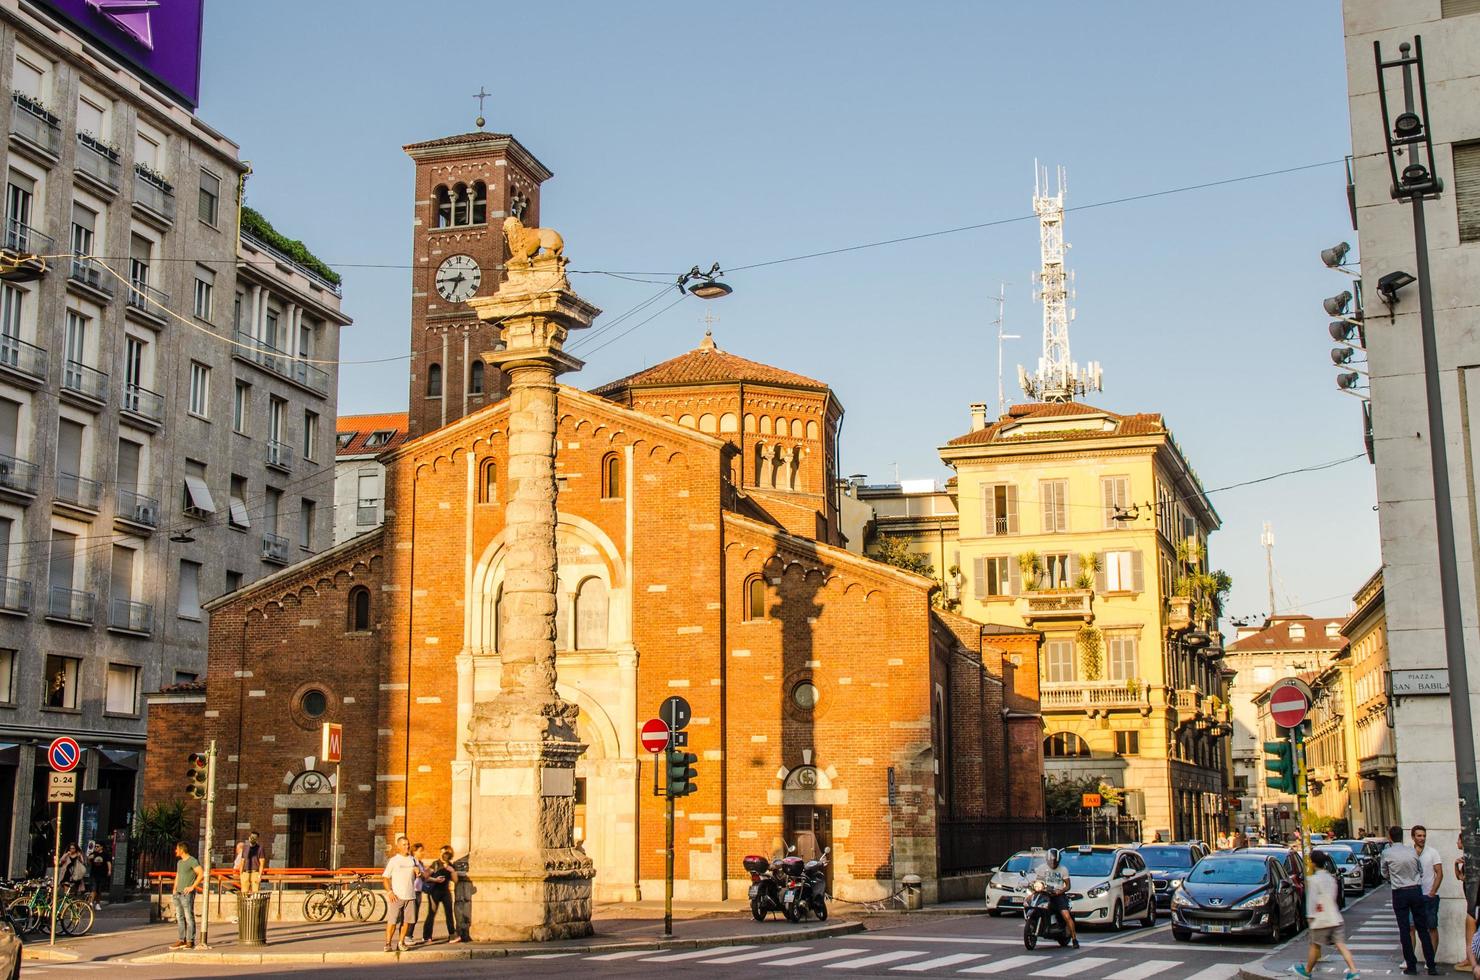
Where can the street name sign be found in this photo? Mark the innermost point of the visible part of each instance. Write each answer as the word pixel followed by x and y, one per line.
pixel 1289 702
pixel 654 735
pixel 1407 683
pixel 62 788
pixel 64 754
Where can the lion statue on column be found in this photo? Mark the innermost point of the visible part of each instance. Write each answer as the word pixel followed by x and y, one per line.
pixel 525 243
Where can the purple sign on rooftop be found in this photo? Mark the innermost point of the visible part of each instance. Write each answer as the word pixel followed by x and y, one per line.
pixel 159 38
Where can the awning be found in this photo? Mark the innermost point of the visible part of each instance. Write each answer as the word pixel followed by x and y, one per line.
pixel 120 758
pixel 239 513
pixel 10 754
pixel 200 496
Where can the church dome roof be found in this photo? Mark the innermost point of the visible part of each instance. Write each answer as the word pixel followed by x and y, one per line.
pixel 707 364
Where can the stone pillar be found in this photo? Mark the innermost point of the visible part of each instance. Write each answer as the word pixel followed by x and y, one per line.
pixel 529 879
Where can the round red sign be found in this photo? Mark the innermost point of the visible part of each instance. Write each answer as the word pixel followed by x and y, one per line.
pixel 1288 706
pixel 654 735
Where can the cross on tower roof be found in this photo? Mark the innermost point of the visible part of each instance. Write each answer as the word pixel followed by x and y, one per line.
pixel 480 95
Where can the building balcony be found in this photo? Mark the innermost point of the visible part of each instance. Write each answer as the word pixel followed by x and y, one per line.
pixel 19 477
pixel 1187 702
pixel 34 128
pixel 154 198
pixel 70 606
pixel 146 301
pixel 79 493
pixel 1059 605
pixel 263 354
pixel 91 277
pixel 136 510
pixel 97 162
pixel 84 384
pixel 15 596
pixel 1095 698
pixel 275 549
pixel 126 616
pixel 280 455
pixel 25 249
pixel 23 363
pixel 142 406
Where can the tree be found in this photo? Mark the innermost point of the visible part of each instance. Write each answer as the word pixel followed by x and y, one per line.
pixel 893 551
pixel 1062 795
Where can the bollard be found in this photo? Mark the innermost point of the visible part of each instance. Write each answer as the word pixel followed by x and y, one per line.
pixel 914 893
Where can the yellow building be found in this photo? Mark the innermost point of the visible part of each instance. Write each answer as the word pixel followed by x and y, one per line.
pixel 1092 528
pixel 1332 778
pixel 1376 757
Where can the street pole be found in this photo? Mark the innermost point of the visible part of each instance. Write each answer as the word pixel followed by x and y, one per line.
pixel 203 940
pixel 334 836
pixel 56 875
pixel 668 872
pixel 1297 739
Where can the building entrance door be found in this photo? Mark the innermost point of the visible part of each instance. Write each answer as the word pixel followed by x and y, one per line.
pixel 308 838
pixel 809 830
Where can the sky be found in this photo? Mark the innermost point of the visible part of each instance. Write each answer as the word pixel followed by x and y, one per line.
pixel 742 134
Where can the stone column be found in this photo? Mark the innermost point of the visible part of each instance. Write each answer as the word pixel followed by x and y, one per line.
pixel 529 878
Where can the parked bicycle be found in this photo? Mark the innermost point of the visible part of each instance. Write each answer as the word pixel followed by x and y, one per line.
pixel 30 911
pixel 354 897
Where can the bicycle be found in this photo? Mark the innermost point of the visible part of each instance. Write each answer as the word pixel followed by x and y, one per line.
pixel 31 910
pixel 354 898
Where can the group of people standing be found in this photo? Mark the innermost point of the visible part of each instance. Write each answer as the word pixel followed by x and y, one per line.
pixel 409 879
pixel 85 873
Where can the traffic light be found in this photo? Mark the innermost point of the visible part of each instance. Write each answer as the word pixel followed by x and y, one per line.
pixel 1280 759
pixel 681 773
pixel 195 776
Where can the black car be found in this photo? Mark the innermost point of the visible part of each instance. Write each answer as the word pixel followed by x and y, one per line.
pixel 1368 856
pixel 1236 893
pixel 1294 867
pixel 1169 864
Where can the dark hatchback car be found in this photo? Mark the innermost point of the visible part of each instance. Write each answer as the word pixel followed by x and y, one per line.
pixel 1369 855
pixel 1169 864
pixel 1237 893
pixel 1294 867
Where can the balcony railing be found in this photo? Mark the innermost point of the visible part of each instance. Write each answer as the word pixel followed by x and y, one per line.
pixel 33 122
pixel 367 513
pixel 25 240
pixel 275 548
pixel 79 491
pixel 281 364
pixel 85 381
pixel 19 356
pixel 97 161
pixel 147 299
pixel 154 193
pixel 137 508
pixel 286 259
pixel 19 475
pixel 1068 604
pixel 1091 695
pixel 72 605
pixel 15 595
pixel 89 273
pixel 131 617
pixel 279 454
pixel 144 403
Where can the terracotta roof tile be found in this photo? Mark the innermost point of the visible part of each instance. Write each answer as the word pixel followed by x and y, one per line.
pixel 1140 424
pixel 478 137
pixel 1275 636
pixel 707 364
pixel 361 427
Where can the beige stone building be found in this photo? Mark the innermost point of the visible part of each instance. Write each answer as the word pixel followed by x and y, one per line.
pixel 1376 752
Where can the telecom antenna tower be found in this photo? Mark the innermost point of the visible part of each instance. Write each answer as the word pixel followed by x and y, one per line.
pixel 1058 378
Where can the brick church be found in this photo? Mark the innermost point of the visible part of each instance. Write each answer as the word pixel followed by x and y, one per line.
pixel 700 553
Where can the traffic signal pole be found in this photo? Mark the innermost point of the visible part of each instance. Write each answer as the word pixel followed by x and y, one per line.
pixel 203 940
pixel 668 870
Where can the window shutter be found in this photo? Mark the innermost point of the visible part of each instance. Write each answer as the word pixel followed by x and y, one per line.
pixel 1014 576
pixel 979 572
pixel 1101 574
pixel 1107 499
pixel 989 515
pixel 1012 514
pixel 1457 8
pixel 1045 505
pixel 1467 172
pixel 1138 577
pixel 1073 571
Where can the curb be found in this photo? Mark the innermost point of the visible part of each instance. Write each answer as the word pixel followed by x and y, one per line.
pixel 499 952
pixel 48 954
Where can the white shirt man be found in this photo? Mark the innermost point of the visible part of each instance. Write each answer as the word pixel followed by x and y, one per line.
pixel 399 879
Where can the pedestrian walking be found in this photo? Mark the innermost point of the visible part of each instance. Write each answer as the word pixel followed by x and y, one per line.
pixel 399 880
pixel 72 870
pixel 418 886
pixel 1327 927
pixel 99 870
pixel 187 882
pixel 1431 864
pixel 1400 866
pixel 251 858
pixel 438 887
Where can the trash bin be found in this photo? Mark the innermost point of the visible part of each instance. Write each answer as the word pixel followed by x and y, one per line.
pixel 251 919
pixel 914 893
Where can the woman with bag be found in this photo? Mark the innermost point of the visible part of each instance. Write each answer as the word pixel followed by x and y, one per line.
pixel 438 888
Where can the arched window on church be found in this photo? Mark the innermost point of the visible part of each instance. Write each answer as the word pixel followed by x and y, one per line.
pixel 444 206
pixel 480 202
pixel 359 609
pixel 475 378
pixel 488 482
pixel 611 477
pixel 778 468
pixel 794 467
pixel 591 615
pixel 434 381
pixel 755 598
pixel 1064 745
pixel 760 462
pixel 460 205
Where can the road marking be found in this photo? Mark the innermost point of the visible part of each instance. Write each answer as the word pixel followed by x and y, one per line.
pixel 625 954
pixel 940 961
pixel 1143 970
pixel 755 955
pixel 956 940
pixel 1002 966
pixel 877 958
pixel 550 956
pixel 1132 936
pixel 1218 971
pixel 695 954
pixel 830 954
pixel 1069 968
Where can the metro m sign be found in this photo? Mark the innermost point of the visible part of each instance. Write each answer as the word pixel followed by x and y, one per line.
pixel 333 743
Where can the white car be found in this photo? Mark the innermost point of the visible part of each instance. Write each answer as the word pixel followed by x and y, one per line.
pixel 1007 888
pixel 1108 885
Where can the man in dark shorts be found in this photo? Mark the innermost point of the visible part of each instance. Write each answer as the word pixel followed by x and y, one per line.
pixel 99 870
pixel 1056 880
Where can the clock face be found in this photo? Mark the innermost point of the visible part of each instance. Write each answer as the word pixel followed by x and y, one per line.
pixel 458 278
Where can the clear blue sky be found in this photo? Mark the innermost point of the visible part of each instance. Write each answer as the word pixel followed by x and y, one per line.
pixel 684 133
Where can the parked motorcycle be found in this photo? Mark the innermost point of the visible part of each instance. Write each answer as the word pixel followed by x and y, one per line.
pixel 766 883
pixel 1039 922
pixel 806 888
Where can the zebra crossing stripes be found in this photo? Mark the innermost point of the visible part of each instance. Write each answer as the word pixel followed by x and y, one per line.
pixel 1002 966
pixel 1074 967
pixel 830 954
pixel 625 954
pixel 1218 971
pixel 940 962
pixel 754 954
pixel 692 954
pixel 1141 971
pixel 877 959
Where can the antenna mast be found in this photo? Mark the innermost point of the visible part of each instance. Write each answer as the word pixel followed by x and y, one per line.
pixel 1058 378
pixel 998 323
pixel 1267 540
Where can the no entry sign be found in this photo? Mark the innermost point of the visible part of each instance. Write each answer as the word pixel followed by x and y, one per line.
pixel 64 754
pixel 1289 702
pixel 654 735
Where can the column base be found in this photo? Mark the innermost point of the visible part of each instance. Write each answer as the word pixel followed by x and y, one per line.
pixel 515 907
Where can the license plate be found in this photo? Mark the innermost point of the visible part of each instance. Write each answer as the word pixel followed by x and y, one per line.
pixel 790 894
pixel 755 890
pixel 1217 929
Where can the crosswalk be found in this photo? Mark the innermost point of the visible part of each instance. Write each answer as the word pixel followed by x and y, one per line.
pixel 984 959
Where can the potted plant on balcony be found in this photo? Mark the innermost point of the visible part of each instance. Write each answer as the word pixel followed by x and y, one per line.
pixel 34 106
pixel 97 143
pixel 1179 604
pixel 151 176
pixel 1032 568
pixel 1089 567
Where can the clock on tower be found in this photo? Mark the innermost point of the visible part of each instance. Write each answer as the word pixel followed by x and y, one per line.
pixel 465 186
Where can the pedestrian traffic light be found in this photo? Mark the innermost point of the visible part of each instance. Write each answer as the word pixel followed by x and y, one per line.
pixel 195 776
pixel 1280 759
pixel 681 773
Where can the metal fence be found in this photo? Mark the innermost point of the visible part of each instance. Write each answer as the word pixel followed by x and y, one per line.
pixel 976 845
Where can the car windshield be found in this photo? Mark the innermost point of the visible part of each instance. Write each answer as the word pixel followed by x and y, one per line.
pixel 1019 863
pixel 1229 871
pixel 1094 864
pixel 1339 854
pixel 1167 857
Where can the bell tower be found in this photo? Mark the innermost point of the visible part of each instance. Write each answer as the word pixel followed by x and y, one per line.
pixel 466 186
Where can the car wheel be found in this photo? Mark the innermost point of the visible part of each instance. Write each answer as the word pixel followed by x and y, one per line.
pixel 1276 928
pixel 1181 935
pixel 1117 917
pixel 1149 919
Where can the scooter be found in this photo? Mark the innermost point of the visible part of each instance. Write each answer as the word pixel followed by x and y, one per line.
pixel 806 888
pixel 1039 921
pixel 765 886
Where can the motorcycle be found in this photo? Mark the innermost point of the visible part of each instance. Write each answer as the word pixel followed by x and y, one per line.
pixel 806 888
pixel 765 886
pixel 1039 921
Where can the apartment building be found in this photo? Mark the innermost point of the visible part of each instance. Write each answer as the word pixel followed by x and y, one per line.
pixel 359 475
pixel 1376 758
pixel 167 399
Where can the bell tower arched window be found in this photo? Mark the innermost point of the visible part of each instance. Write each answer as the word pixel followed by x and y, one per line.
pixel 480 202
pixel 461 205
pixel 444 206
pixel 434 381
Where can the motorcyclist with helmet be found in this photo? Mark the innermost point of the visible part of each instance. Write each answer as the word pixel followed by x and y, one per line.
pixel 1056 882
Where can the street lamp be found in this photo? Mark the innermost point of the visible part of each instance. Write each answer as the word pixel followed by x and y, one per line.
pixel 705 285
pixel 1388 286
pixel 1337 305
pixel 1335 256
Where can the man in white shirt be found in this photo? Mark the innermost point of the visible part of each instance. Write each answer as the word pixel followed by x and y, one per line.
pixel 1401 867
pixel 1431 875
pixel 399 879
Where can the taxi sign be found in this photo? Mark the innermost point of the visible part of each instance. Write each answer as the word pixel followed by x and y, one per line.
pixel 1091 800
